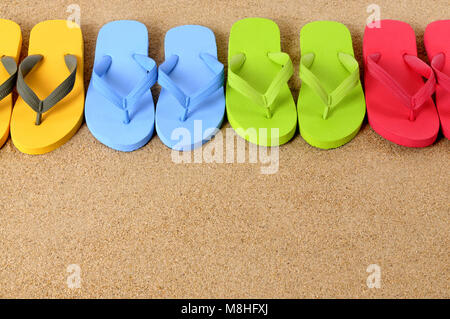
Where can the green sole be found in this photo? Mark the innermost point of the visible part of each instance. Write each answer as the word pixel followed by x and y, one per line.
pixel 255 37
pixel 326 39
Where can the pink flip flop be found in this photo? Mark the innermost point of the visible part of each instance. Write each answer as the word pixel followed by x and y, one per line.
pixel 399 103
pixel 437 43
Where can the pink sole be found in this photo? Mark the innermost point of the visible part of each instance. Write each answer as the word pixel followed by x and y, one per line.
pixel 387 115
pixel 437 40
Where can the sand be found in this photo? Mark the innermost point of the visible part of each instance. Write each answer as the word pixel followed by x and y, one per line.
pixel 140 225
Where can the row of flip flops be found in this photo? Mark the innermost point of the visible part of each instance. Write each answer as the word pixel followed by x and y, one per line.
pixel 120 112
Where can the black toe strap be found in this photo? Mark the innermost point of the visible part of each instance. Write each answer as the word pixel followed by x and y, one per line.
pixel 8 86
pixel 27 94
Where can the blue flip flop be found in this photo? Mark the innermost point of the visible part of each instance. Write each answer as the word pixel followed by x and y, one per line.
pixel 119 107
pixel 191 105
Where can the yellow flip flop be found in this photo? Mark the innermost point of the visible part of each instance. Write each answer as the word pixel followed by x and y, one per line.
pixel 10 44
pixel 49 110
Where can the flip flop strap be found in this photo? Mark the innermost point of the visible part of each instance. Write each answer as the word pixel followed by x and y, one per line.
pixel 245 88
pixel 28 95
pixel 437 63
pixel 142 87
pixel 11 67
pixel 341 91
pixel 412 102
pixel 185 100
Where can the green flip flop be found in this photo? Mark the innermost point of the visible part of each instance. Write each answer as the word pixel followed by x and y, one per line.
pixel 331 104
pixel 255 65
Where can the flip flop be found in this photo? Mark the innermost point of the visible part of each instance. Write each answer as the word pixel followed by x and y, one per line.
pixel 119 104
pixel 55 73
pixel 399 104
pixel 331 104
pixel 437 44
pixel 256 65
pixel 10 44
pixel 191 105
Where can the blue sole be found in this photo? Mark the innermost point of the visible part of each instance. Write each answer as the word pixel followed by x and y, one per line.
pixel 120 40
pixel 190 74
